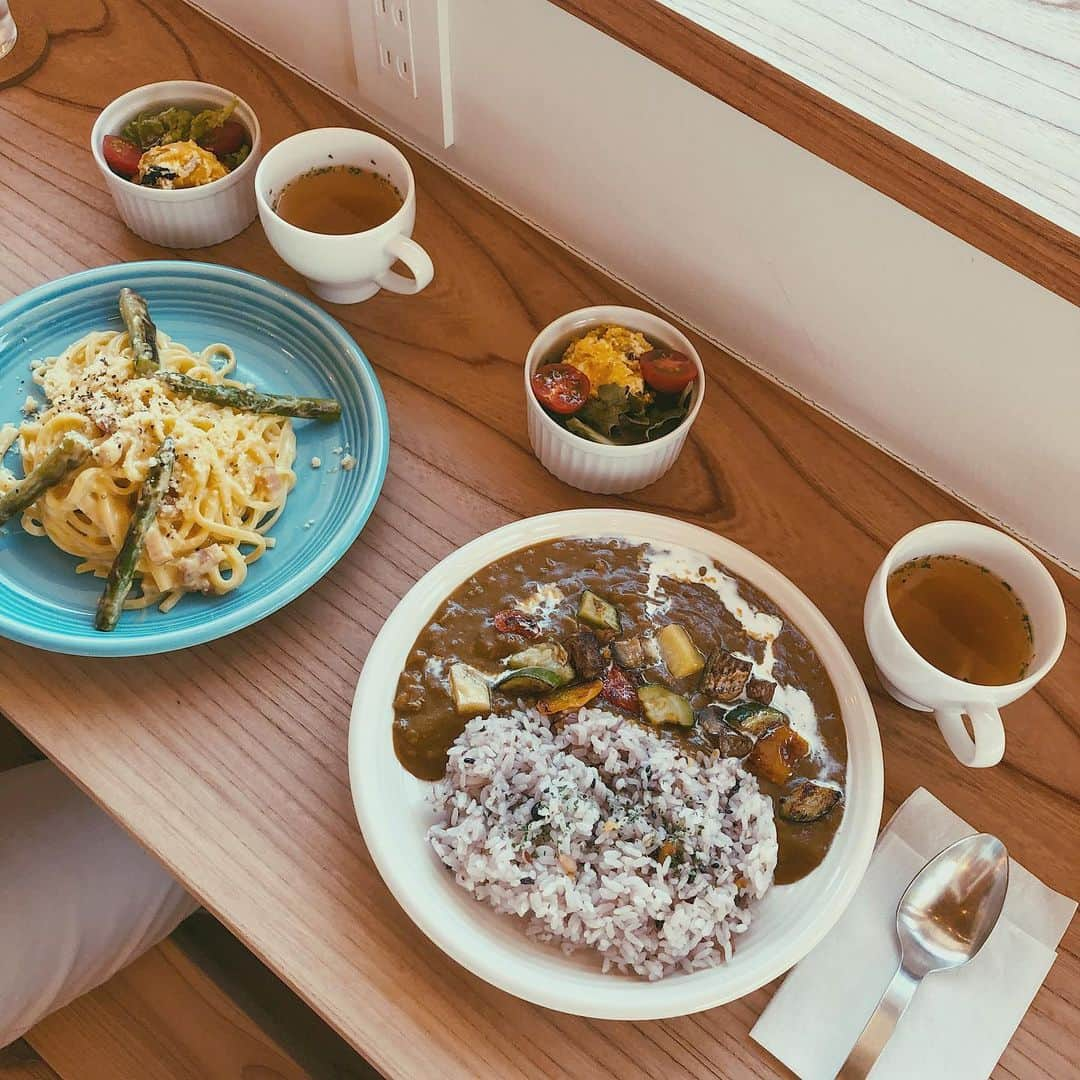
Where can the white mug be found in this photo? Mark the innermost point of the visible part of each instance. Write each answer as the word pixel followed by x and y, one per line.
pixel 344 269
pixel 916 683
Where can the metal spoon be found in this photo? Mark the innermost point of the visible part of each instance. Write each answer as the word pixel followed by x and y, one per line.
pixel 944 918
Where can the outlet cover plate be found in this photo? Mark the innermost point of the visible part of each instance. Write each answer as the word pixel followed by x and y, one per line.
pixel 417 100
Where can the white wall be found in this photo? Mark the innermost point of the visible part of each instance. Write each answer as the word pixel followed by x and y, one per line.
pixel 945 357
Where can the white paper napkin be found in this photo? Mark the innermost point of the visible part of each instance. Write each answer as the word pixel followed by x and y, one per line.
pixel 959 1022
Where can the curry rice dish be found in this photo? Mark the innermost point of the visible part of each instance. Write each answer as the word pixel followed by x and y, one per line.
pixel 631 745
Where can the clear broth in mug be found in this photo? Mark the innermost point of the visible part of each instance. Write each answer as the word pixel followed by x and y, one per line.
pixel 338 200
pixel 962 618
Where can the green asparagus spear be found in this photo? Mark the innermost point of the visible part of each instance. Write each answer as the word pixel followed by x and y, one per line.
pixel 122 571
pixel 68 454
pixel 240 397
pixel 142 331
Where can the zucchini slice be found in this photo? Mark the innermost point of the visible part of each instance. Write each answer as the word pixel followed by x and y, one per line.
pixel 580 428
pixel 568 698
pixel 597 612
pixel 470 691
pixel 681 656
pixel 754 718
pixel 529 680
pixel 662 706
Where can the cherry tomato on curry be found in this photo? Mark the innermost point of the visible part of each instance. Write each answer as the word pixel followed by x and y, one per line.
pixel 120 155
pixel 512 621
pixel 226 139
pixel 666 370
pixel 619 690
pixel 561 388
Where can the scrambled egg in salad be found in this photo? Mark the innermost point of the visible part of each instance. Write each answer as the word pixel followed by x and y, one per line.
pixel 608 355
pixel 181 165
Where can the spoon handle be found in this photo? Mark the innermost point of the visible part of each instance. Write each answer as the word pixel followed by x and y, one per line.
pixel 880 1026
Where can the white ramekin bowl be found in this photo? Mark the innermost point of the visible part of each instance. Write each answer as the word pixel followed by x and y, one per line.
pixel 190 217
pixel 590 466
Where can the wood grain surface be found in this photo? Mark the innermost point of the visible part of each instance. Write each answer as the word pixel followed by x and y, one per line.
pixel 229 761
pixel 928 107
pixel 160 1018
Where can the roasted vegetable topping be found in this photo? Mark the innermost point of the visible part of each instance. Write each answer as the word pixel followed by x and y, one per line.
pixel 663 706
pixel 619 690
pixel 512 621
pixel 567 698
pixel 774 756
pixel 530 680
pixel 597 612
pixel 760 690
pixel 629 653
pixel 681 655
pixel 807 801
pixel 725 675
pixel 754 718
pixel 549 654
pixel 726 739
pixel 469 689
pixel 585 654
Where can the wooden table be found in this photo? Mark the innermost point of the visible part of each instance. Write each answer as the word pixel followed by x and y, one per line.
pixel 228 761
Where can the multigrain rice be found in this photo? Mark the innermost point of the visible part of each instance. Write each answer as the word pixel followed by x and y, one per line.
pixel 601 834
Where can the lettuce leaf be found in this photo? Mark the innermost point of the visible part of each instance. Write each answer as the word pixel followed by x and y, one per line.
pixel 157 128
pixel 210 120
pixel 626 418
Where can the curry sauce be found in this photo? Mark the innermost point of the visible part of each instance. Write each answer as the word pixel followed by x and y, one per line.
pixel 540 588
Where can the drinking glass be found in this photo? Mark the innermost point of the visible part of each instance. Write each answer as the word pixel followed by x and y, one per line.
pixel 8 33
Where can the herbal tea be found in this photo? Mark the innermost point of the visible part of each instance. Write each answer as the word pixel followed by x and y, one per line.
pixel 962 618
pixel 338 200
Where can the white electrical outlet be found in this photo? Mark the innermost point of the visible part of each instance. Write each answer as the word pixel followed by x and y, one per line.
pixel 402 54
pixel 394 43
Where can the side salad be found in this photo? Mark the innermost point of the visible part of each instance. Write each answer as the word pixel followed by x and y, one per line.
pixel 177 147
pixel 613 386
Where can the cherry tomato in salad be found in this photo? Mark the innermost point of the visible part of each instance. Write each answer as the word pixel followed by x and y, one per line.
pixel 120 155
pixel 226 139
pixel 512 621
pixel 561 388
pixel 667 370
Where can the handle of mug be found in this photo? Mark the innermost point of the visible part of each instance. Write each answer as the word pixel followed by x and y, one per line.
pixel 988 746
pixel 416 259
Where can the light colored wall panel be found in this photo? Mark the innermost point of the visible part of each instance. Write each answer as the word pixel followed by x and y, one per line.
pixel 950 360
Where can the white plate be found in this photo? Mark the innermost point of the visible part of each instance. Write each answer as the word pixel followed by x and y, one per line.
pixel 394 814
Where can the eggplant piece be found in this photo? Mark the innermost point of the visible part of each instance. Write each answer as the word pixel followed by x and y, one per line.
pixel 568 698
pixel 807 800
pixel 729 741
pixel 629 653
pixel 470 691
pixel 585 654
pixel 754 718
pixel 548 654
pixel 662 706
pixel 529 680
pixel 725 675
pixel 761 691
pixel 775 755
pixel 596 612
pixel 681 656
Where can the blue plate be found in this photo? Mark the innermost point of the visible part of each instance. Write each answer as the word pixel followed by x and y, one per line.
pixel 283 343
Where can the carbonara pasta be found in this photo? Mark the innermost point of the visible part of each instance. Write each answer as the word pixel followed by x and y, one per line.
pixel 233 471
